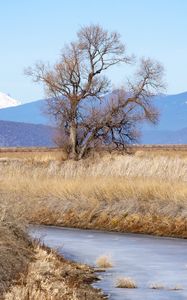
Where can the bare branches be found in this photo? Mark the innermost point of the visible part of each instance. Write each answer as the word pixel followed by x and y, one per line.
pixel 77 74
pixel 76 85
pixel 103 49
pixel 149 79
pixel 148 83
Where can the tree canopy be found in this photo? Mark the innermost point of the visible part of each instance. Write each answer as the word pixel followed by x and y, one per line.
pixel 79 94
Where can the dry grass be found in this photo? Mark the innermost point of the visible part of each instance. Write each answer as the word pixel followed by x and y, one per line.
pixel 117 192
pixel 50 277
pixel 45 154
pixel 33 155
pixel 164 152
pixel 104 261
pixel 126 283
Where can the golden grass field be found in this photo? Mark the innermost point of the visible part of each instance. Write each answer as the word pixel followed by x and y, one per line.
pixel 144 192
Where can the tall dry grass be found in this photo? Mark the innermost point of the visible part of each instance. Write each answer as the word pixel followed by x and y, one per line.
pixel 114 192
pixel 162 167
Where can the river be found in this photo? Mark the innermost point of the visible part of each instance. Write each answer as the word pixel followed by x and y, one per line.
pixel 146 259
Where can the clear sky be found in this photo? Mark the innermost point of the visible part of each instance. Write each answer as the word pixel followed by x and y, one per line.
pixel 37 30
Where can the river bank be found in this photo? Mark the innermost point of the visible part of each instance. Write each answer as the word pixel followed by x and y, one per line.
pixel 51 277
pixel 30 271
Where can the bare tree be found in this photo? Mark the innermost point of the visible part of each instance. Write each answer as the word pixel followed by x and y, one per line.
pixel 76 86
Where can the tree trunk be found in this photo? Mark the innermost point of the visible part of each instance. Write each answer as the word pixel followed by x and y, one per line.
pixel 85 146
pixel 82 152
pixel 73 140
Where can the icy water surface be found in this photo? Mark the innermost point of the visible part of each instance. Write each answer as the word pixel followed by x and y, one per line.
pixel 146 259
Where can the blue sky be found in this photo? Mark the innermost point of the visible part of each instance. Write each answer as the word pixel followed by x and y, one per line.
pixel 37 30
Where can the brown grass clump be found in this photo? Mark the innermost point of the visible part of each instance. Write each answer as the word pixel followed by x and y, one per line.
pixel 126 283
pixel 104 261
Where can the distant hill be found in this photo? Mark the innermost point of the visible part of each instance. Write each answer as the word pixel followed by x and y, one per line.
pixel 173 109
pixel 172 127
pixel 32 112
pixel 164 137
pixel 17 134
pixel 173 112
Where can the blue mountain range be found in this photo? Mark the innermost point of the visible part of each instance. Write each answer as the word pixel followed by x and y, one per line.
pixel 171 129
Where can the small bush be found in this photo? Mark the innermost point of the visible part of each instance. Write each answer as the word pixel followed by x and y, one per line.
pixel 104 261
pixel 126 283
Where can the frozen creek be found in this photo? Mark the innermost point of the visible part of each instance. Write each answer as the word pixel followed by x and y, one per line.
pixel 146 259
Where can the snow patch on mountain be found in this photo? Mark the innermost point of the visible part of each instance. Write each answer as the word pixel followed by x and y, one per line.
pixel 7 101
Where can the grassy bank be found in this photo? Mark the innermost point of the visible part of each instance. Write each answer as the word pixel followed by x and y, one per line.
pixel 136 193
pixel 50 277
pixel 28 271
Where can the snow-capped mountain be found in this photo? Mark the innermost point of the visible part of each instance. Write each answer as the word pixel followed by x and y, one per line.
pixel 7 101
